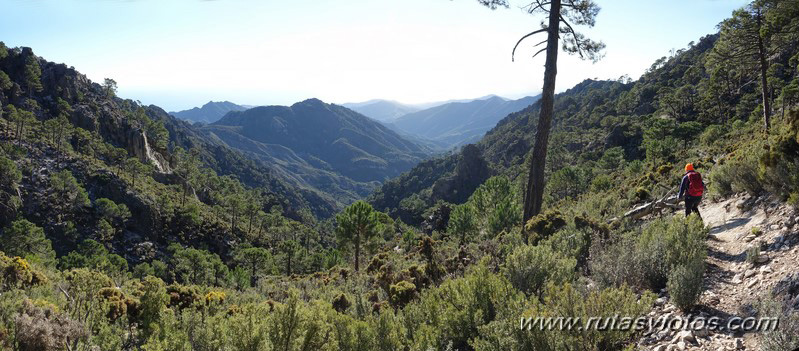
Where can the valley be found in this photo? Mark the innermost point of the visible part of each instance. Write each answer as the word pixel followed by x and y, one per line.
pixel 380 225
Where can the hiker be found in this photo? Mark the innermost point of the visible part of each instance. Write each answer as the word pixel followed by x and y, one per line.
pixel 692 187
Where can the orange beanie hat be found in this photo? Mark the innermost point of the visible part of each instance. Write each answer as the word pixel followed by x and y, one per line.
pixel 689 167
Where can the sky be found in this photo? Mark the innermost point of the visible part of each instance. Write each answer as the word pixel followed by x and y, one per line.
pixel 180 53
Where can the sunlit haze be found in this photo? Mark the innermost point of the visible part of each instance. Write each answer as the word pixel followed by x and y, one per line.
pixel 179 54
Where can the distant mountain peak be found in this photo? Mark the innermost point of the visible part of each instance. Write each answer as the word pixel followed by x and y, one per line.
pixel 210 112
pixel 492 97
pixel 381 110
pixel 459 122
pixel 314 101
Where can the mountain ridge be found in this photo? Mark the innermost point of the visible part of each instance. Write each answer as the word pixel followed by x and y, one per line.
pixel 320 146
pixel 209 112
pixel 458 123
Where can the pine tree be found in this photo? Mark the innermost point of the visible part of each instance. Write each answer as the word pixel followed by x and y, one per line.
pixel 33 75
pixel 356 225
pixel 566 12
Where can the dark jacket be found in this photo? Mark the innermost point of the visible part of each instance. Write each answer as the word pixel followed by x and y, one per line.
pixel 685 184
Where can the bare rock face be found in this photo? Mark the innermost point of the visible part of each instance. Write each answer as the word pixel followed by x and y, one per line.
pixel 114 127
pixel 60 80
pixel 471 171
pixel 140 147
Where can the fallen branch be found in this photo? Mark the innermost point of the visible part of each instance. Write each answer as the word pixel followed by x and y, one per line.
pixel 669 201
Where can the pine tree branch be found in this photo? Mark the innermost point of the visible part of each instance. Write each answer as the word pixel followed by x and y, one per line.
pixel 539 5
pixel 539 51
pixel 513 53
pixel 574 35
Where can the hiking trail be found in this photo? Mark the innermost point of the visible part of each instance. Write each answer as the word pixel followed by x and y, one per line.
pixel 732 285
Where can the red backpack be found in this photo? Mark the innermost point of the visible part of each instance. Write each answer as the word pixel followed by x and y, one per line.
pixel 695 186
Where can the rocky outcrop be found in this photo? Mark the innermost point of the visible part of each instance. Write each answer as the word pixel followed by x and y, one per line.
pixel 471 171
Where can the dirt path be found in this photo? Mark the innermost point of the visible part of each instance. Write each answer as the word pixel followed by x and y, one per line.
pixel 726 283
pixel 732 284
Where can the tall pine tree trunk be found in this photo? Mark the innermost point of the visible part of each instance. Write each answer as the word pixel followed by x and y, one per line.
pixel 761 53
pixel 534 195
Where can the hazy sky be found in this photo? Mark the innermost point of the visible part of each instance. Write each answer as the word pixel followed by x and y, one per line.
pixel 178 54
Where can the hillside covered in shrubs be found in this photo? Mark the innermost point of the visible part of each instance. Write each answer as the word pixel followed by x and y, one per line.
pixel 126 229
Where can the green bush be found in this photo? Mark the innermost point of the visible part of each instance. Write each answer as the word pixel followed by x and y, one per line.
pixel 786 337
pixel 737 174
pixel 780 163
pixel 752 253
pixel 642 194
pixel 492 208
pixel 567 301
pixel 401 293
pixel 646 259
pixel 685 284
pixel 601 183
pixel 573 242
pixel 712 134
pixel 544 224
pixel 453 314
pixel 530 268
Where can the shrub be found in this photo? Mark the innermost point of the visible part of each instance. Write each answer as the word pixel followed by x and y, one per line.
pixel 610 265
pixel 574 242
pixel 737 175
pixel 215 297
pixel 530 268
pixel 601 183
pixel 543 225
pixel 40 329
pixel 340 303
pixel 780 162
pixel 182 296
pixel 401 293
pixel 454 313
pixel 646 260
pixel 685 284
pixel 17 273
pixel 786 337
pixel 665 169
pixel 567 301
pixel 642 194
pixel 712 134
pixel 752 254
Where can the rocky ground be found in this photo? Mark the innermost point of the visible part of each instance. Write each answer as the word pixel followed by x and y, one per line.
pixel 733 283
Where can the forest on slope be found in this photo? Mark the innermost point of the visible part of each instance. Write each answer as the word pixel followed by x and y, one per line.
pixel 103 248
pixel 333 150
